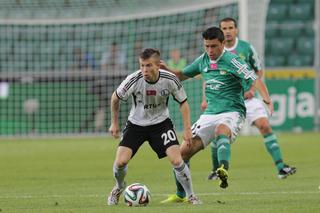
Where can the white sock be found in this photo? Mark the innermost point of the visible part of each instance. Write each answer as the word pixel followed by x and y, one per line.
pixel 119 174
pixel 183 175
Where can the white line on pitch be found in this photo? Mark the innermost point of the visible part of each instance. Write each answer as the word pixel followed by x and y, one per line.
pixel 156 194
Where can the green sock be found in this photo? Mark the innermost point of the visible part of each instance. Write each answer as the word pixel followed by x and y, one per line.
pixel 180 191
pixel 271 143
pixel 224 151
pixel 214 156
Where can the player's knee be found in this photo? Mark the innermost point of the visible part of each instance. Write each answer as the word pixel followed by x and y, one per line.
pixel 222 130
pixel 265 128
pixel 121 162
pixel 176 162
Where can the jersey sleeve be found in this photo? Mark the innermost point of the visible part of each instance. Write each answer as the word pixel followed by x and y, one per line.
pixel 178 91
pixel 125 89
pixel 242 70
pixel 254 59
pixel 192 69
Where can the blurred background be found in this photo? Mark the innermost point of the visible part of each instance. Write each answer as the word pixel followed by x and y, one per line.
pixel 60 60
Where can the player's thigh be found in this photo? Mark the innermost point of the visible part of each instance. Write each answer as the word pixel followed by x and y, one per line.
pixel 232 121
pixel 133 137
pixel 162 136
pixel 123 156
pixel 190 149
pixel 255 110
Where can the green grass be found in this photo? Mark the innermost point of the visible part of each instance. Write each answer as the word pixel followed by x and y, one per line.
pixel 75 175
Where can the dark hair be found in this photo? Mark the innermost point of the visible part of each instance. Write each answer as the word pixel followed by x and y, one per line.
pixel 150 52
pixel 213 33
pixel 227 19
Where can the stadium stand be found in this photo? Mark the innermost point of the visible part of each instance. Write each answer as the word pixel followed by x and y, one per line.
pixel 289 33
pixel 48 92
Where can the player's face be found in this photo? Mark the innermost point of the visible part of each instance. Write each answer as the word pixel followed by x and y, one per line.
pixel 213 48
pixel 229 30
pixel 150 69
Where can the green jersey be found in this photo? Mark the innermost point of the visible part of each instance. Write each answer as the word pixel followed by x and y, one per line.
pixel 224 78
pixel 247 53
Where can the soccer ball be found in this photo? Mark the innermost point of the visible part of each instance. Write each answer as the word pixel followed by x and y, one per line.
pixel 137 194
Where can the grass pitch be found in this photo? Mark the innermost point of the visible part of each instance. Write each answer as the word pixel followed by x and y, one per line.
pixel 75 175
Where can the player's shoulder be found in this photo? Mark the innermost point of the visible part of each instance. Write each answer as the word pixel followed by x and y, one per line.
pixel 165 73
pixel 133 78
pixel 229 56
pixel 169 77
pixel 136 74
pixel 245 44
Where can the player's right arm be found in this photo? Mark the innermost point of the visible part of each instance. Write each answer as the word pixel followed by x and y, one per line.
pixel 115 105
pixel 178 73
pixel 204 103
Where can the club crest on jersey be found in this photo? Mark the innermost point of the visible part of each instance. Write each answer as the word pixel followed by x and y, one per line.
pixel 165 92
pixel 243 57
pixel 222 72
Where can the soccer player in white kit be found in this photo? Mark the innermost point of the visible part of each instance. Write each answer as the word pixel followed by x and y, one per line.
pixel 150 88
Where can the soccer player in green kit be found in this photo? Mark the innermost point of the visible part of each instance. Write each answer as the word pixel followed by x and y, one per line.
pixel 224 74
pixel 256 112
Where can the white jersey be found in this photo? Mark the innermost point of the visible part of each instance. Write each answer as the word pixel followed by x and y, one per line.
pixel 150 100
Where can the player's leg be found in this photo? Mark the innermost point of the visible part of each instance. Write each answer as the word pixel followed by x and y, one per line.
pixel 187 151
pixel 223 133
pixel 226 131
pixel 273 148
pixel 119 172
pixel 182 173
pixel 133 138
pixel 214 159
pixel 258 116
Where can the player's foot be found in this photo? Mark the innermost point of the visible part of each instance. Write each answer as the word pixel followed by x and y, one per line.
pixel 194 200
pixel 113 198
pixel 223 175
pixel 213 175
pixel 174 199
pixel 286 171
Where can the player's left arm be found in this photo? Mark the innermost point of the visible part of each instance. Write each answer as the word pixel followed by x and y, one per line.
pixel 263 90
pixel 260 85
pixel 185 111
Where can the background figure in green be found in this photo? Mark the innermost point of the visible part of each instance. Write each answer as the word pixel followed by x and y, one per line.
pixel 224 74
pixel 256 112
pixel 176 61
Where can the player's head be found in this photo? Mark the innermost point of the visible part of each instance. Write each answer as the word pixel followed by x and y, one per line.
pixel 213 40
pixel 229 27
pixel 149 60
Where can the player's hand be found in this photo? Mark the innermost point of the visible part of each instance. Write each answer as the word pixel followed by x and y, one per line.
pixel 270 107
pixel 249 94
pixel 187 137
pixel 163 65
pixel 114 130
pixel 204 105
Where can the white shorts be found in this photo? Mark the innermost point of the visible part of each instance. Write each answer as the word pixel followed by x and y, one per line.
pixel 206 125
pixel 255 110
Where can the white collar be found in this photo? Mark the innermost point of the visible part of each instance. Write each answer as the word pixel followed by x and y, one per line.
pixel 215 61
pixel 233 47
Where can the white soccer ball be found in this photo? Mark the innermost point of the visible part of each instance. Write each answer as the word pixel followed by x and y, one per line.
pixel 137 194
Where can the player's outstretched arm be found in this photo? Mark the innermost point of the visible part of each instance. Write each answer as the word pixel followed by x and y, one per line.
pixel 204 103
pixel 114 127
pixel 262 88
pixel 178 73
pixel 185 111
